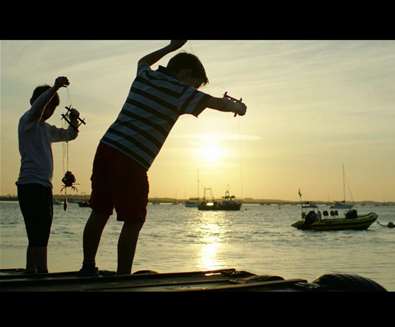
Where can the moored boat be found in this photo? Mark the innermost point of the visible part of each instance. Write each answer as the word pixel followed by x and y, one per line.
pixel 228 202
pixel 220 205
pixel 57 202
pixel 192 203
pixel 351 221
pixel 342 205
pixel 84 204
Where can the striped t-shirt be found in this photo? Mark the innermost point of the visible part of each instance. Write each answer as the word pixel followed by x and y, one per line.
pixel 156 99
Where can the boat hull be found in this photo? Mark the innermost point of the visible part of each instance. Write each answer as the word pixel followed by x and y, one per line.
pixel 220 206
pixel 191 204
pixel 360 223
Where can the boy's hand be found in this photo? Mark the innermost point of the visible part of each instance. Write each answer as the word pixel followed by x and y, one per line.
pixel 61 81
pixel 157 55
pixel 176 44
pixel 240 109
pixel 237 107
pixel 74 115
pixel 227 104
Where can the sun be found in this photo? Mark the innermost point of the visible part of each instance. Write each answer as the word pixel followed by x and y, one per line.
pixel 211 153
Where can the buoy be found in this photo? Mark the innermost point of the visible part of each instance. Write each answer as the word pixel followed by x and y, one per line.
pixel 389 225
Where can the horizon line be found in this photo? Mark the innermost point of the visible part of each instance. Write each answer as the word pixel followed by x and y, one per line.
pixel 247 199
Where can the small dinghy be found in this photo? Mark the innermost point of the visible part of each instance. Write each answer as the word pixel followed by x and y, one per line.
pixel 315 220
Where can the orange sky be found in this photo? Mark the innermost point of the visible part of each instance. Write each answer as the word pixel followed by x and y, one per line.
pixel 312 106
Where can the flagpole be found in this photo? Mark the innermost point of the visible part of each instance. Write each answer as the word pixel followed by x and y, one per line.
pixel 301 205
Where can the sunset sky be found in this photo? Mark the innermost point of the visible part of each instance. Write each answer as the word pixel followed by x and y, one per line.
pixel 311 107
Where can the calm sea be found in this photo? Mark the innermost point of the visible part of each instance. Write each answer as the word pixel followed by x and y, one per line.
pixel 259 239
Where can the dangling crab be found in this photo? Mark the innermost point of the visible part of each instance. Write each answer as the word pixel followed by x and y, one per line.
pixel 68 181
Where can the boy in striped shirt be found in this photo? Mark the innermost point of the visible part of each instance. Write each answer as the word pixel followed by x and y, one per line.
pixel 125 153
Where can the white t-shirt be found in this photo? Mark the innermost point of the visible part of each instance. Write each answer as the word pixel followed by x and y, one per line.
pixel 35 138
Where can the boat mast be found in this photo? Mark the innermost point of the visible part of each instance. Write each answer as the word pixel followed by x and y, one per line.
pixel 198 184
pixel 344 186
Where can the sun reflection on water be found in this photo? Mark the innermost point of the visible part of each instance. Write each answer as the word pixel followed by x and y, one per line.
pixel 211 232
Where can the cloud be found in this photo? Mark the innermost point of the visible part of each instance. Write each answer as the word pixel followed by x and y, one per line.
pixel 218 137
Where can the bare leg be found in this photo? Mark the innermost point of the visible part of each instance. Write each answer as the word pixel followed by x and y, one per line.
pixel 36 259
pixel 127 246
pixel 41 259
pixel 30 262
pixel 91 238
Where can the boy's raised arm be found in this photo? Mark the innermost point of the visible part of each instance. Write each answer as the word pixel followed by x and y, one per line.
pixel 155 56
pixel 42 101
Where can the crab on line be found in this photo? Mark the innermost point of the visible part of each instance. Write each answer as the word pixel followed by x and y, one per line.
pixel 68 181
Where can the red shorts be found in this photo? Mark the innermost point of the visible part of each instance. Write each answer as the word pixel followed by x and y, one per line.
pixel 118 181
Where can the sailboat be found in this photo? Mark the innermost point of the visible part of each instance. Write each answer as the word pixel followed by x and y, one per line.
pixel 193 202
pixel 342 204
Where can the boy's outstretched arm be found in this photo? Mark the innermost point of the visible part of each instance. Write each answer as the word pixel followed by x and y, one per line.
pixel 227 105
pixel 154 57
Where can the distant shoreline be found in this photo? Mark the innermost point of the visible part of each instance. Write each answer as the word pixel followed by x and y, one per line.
pixel 83 198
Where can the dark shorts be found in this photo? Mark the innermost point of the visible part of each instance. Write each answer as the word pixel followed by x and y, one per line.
pixel 119 182
pixel 35 201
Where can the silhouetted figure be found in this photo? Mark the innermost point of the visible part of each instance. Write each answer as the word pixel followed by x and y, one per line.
pixel 34 183
pixel 125 153
pixel 351 214
pixel 310 218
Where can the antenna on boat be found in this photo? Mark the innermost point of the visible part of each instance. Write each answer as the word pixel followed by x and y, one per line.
pixel 198 184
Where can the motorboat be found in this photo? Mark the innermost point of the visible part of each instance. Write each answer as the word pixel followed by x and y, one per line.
pixel 315 219
pixel 228 202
